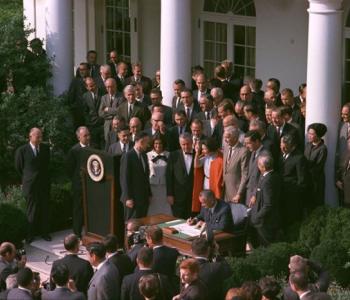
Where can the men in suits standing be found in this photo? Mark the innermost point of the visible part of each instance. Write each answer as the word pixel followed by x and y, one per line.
pixel 138 77
pixel 105 283
pixel 134 179
pixel 130 286
pixel 121 261
pixel 100 79
pixel 197 132
pixel 60 276
pixel 91 58
pixel 202 87
pixel 343 144
pixel 113 62
pixel 287 99
pixel 215 213
pixel 92 101
pixel 32 163
pixel 123 144
pixel 121 75
pixel 212 273
pixel 79 269
pixel 135 126
pixel 264 213
pixel 206 106
pixel 132 108
pixel 253 143
pixel 156 100
pixel 109 105
pixel 175 131
pixel 142 98
pixel 179 177
pixel 178 87
pixel 190 106
pixel 236 159
pixel 164 257
pixel 24 281
pixel 74 163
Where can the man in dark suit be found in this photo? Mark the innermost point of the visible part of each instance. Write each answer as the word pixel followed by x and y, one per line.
pixel 206 106
pixel 113 63
pixel 109 105
pixel 121 261
pixel 202 87
pixel 188 104
pixel 287 99
pixel 134 172
pixel 124 144
pixel 74 163
pixel 117 123
pixel 24 281
pixel 79 269
pixel 105 283
pixel 156 100
pixel 252 141
pixel 92 101
pixel 60 276
pixel 32 163
pixel 192 287
pixel 216 214
pixel 132 108
pixel 138 77
pixel 197 131
pixel 175 131
pixel 100 79
pixel 121 75
pixel 178 87
pixel 164 257
pixel 91 58
pixel 179 177
pixel 213 274
pixel 130 286
pixel 264 213
pixel 142 98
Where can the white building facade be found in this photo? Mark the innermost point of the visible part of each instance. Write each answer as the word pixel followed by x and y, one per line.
pixel 295 41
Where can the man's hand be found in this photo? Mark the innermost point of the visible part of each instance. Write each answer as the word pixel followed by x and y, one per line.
pixel 339 185
pixel 129 203
pixel 106 109
pixel 177 297
pixel 191 221
pixel 252 201
pixel 200 224
pixel 236 198
pixel 171 200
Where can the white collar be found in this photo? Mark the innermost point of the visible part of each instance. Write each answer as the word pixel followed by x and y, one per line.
pixel 109 255
pixel 303 294
pixel 31 145
pixel 82 145
pixel 24 289
pixel 265 173
pixel 157 246
pixel 101 264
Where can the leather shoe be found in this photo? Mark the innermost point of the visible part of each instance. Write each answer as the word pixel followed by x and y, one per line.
pixel 46 237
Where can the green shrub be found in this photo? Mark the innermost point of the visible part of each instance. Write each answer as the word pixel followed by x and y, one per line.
pixel 333 256
pixel 13 195
pixel 60 206
pixel 13 224
pixel 338 293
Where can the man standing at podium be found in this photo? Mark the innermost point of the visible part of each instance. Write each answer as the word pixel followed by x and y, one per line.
pixel 134 179
pixel 74 165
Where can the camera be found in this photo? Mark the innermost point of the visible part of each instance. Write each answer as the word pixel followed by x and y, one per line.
pixel 20 253
pixel 138 237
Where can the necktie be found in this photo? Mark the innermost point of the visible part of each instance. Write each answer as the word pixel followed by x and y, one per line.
pixel 111 100
pixel 229 156
pixel 207 113
pixel 130 110
pixel 36 151
pixel 348 137
pixel 124 148
pixel 188 113
pixel 181 130
pixel 278 130
pixel 253 156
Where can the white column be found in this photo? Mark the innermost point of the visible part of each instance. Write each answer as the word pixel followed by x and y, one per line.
pixel 80 31
pixel 324 77
pixel 29 11
pixel 59 42
pixel 175 45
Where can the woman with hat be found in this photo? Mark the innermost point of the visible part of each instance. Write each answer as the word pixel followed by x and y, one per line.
pixel 316 156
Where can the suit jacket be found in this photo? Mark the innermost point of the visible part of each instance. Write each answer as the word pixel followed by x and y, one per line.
pixel 115 148
pixel 62 293
pixel 264 213
pixel 195 110
pixel 133 173
pixel 145 81
pixel 80 271
pixel 74 163
pixel 112 105
pixel 235 172
pixel 34 170
pixel 213 274
pixel 105 284
pixel 164 260
pixel 123 264
pixel 112 138
pixel 138 111
pixel 175 104
pixel 75 92
pixel 18 294
pixel 342 145
pixel 287 129
pixel 130 286
pixel 167 112
pixel 174 137
pixel 6 270
pixel 120 83
pixel 146 101
pixel 220 219
pixel 195 94
pixel 92 106
pixel 100 84
pixel 196 290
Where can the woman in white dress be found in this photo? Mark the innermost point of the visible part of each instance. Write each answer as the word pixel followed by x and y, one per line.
pixel 157 160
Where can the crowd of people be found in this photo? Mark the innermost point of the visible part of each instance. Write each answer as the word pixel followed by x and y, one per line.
pixel 226 155
pixel 149 271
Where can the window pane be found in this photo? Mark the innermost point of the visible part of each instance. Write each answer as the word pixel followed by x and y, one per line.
pixel 250 36
pixel 209 68
pixel 239 35
pixel 221 32
pixel 347 71
pixel 209 51
pixel 250 72
pixel 221 52
pixel 209 31
pixel 127 44
pixel 239 58
pixel 237 7
pixel 250 56
pixel 239 71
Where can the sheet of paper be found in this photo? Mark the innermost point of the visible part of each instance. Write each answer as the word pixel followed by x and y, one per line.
pixel 173 222
pixel 187 229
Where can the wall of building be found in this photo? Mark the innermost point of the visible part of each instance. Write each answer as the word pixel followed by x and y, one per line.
pixel 149 36
pixel 281 41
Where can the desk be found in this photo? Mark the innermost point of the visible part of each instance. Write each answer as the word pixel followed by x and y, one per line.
pixel 233 244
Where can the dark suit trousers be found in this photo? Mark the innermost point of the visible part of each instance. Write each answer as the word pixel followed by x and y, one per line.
pixel 77 211
pixel 37 212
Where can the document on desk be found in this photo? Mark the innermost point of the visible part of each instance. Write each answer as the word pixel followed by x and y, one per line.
pixel 187 229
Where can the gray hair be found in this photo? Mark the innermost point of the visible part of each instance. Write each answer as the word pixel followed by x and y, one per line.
pixel 259 124
pixel 208 194
pixel 80 128
pixel 105 67
pixel 233 131
pixel 266 161
pixel 129 88
pixel 185 136
pixel 289 140
pixel 218 90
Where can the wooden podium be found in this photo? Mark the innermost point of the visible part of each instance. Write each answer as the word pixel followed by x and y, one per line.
pixel 103 212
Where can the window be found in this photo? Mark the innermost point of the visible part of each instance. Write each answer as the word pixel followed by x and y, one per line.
pixel 215 44
pixel 346 86
pixel 229 33
pixel 118 28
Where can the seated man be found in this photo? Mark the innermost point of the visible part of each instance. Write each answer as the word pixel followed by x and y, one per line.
pixel 216 214
pixel 213 274
pixel 65 289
